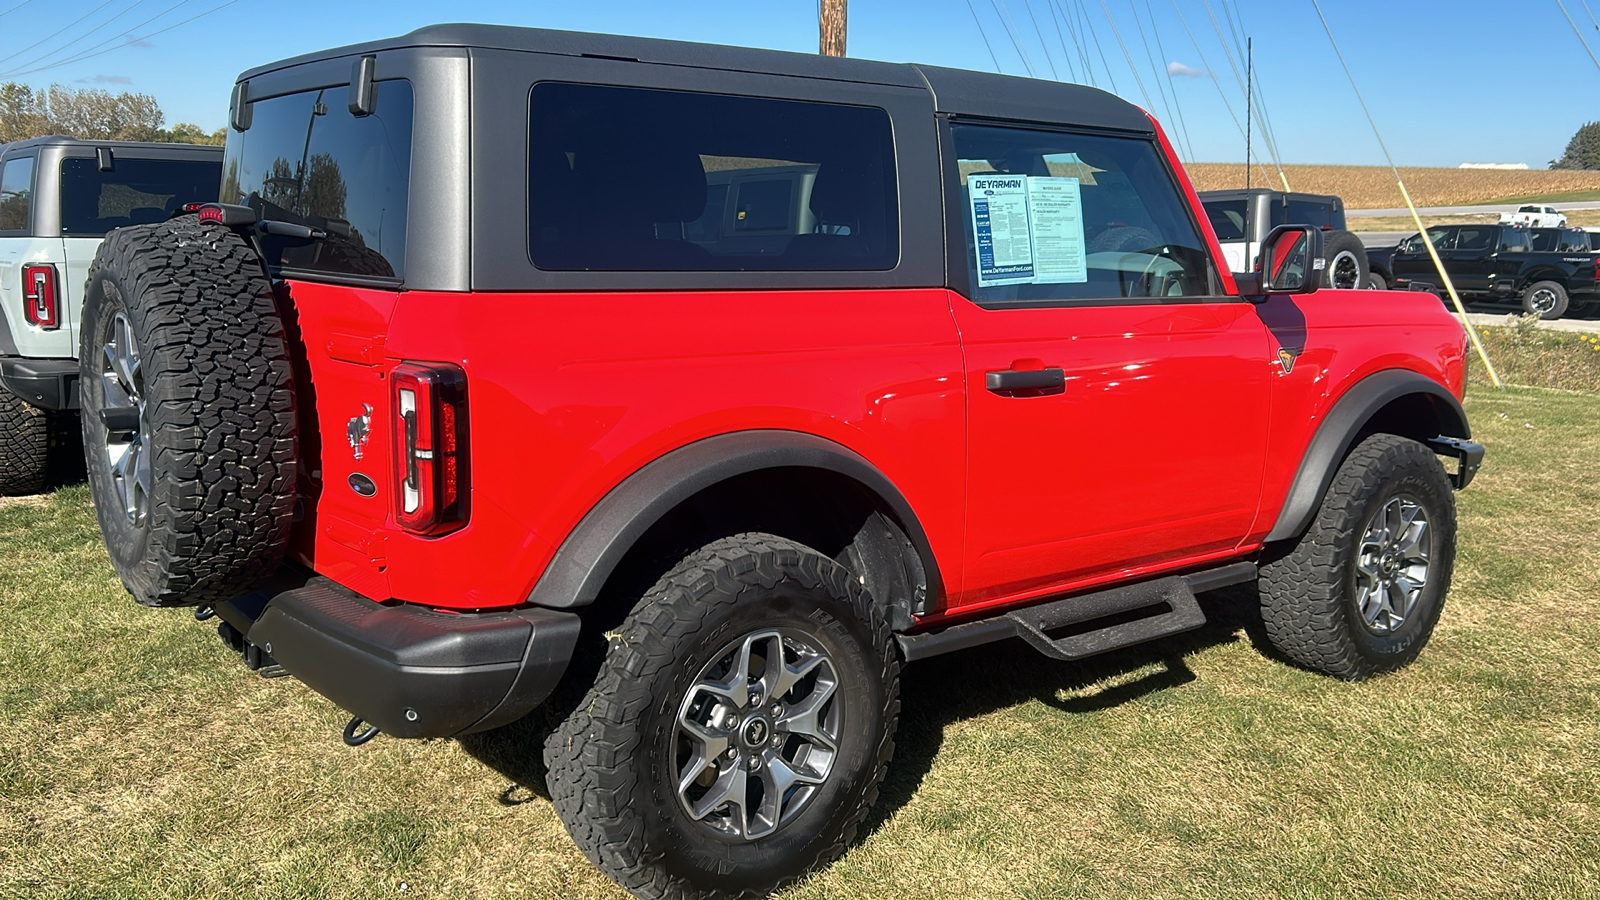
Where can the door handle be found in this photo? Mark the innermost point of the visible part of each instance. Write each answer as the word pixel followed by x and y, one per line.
pixel 1029 382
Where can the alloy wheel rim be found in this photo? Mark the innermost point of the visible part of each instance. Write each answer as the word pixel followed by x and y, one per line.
pixel 1392 565
pixel 757 734
pixel 128 452
pixel 1543 300
pixel 1346 271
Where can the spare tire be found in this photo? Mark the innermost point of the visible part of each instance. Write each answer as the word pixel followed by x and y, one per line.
pixel 1347 261
pixel 188 412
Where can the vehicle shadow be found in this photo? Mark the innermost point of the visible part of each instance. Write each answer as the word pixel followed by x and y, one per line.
pixel 64 465
pixel 938 692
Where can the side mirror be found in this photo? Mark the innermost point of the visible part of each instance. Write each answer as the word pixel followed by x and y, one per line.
pixel 1291 261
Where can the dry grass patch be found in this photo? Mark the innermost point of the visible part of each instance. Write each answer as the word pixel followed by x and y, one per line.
pixel 1373 187
pixel 139 760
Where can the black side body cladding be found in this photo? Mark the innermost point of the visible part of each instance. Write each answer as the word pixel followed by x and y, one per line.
pixel 407 670
pixel 597 545
pixel 1345 425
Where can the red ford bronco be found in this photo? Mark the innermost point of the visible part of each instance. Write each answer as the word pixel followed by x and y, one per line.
pixel 712 386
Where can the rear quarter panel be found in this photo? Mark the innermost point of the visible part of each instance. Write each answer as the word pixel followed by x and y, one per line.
pixel 569 394
pixel 1345 336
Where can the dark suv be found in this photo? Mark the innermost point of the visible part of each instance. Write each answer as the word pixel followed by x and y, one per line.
pixel 473 398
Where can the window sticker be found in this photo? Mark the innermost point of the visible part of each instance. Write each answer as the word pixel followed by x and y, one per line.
pixel 1055 207
pixel 1027 229
pixel 1000 225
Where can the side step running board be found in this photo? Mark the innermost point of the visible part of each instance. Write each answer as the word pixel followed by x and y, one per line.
pixel 1115 605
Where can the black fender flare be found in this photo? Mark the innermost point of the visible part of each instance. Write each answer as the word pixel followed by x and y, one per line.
pixel 1338 433
pixel 593 550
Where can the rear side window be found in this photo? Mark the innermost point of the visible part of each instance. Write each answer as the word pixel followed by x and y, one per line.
pixel 628 179
pixel 134 192
pixel 16 193
pixel 1305 212
pixel 1056 217
pixel 1573 242
pixel 1474 238
pixel 1513 241
pixel 306 159
pixel 1545 240
pixel 1227 219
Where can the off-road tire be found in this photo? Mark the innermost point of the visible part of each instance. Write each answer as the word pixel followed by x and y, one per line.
pixel 219 411
pixel 611 774
pixel 1534 297
pixel 1340 249
pixel 24 445
pixel 1308 591
pixel 1377 282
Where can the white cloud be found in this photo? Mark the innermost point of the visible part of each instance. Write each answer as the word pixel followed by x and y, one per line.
pixel 106 79
pixel 1179 70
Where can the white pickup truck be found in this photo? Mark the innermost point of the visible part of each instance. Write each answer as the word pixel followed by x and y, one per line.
pixel 1535 217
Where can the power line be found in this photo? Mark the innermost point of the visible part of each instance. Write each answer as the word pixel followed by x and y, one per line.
pixel 15 8
pixel 1040 34
pixel 145 37
pixel 1088 23
pixel 1014 34
pixel 1117 32
pixel 1432 251
pixel 1226 103
pixel 1579 34
pixel 1250 97
pixel 1083 55
pixel 54 33
pixel 1183 125
pixel 50 53
pixel 24 69
pixel 981 34
pixel 1145 39
pixel 1067 55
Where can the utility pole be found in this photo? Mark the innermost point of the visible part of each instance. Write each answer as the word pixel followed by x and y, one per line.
pixel 830 26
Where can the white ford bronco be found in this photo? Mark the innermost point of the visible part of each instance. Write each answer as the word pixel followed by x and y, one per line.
pixel 58 199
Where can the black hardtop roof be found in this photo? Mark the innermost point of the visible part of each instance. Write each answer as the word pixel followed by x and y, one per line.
pixel 61 140
pixel 955 91
pixel 1238 193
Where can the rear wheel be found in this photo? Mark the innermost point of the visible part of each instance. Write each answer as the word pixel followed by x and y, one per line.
pixel 738 729
pixel 1359 593
pixel 1545 299
pixel 1376 282
pixel 24 444
pixel 1347 261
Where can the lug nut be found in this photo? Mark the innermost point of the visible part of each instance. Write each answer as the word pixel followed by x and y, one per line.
pixel 755 762
pixel 732 753
pixel 777 710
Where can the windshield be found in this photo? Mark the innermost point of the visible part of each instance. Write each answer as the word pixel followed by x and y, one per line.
pixel 134 192
pixel 307 159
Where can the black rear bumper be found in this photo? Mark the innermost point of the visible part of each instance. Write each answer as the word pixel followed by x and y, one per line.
pixel 46 383
pixel 409 671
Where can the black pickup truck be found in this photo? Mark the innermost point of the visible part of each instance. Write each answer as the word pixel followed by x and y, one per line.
pixel 1547 270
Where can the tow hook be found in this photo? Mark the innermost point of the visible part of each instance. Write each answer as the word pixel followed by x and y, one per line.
pixel 355 735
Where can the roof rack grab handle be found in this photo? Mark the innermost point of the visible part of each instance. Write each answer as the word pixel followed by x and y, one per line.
pixel 363 100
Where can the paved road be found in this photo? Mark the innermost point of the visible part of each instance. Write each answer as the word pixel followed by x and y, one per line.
pixel 1383 238
pixel 1461 210
pixel 1587 326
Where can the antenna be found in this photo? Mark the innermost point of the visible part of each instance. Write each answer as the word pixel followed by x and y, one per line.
pixel 1249 82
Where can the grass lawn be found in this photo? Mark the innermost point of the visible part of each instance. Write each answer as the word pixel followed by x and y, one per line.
pixel 138 759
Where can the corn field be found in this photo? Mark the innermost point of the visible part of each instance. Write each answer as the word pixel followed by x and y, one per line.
pixel 1373 187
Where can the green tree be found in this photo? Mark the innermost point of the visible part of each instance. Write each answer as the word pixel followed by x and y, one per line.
pixel 190 133
pixel 1583 151
pixel 90 114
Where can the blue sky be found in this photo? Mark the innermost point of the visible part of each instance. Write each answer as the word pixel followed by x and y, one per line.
pixel 1449 82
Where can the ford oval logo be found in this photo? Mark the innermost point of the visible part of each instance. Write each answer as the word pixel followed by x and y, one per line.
pixel 363 485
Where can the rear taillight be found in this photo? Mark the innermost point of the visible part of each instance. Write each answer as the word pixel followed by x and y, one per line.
pixel 1597 268
pixel 430 447
pixel 39 303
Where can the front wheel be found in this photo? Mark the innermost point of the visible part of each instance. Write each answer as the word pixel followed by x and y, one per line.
pixel 1376 282
pixel 1545 299
pixel 1359 593
pixel 738 729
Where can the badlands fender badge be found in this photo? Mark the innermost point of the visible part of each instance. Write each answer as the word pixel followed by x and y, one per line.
pixel 1286 359
pixel 359 428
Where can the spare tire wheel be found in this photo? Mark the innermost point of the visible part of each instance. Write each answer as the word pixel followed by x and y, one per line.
pixel 1347 261
pixel 188 412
